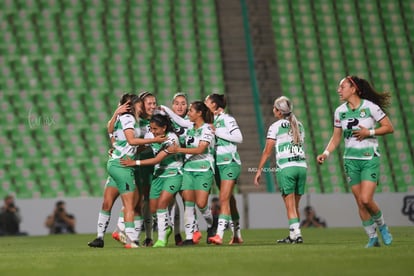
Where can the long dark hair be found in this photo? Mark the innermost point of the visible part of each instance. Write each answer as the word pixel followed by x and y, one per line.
pixel 134 100
pixel 128 97
pixel 162 121
pixel 206 114
pixel 366 91
pixel 219 100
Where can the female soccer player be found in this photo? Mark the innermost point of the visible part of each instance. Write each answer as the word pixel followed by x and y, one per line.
pixel 356 120
pixel 167 177
pixel 121 180
pixel 286 136
pixel 228 166
pixel 144 174
pixel 198 167
pixel 179 111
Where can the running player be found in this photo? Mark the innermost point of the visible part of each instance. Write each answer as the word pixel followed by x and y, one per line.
pixel 356 121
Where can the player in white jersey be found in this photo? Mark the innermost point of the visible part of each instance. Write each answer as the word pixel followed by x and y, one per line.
pixel 228 167
pixel 198 169
pixel 167 178
pixel 286 136
pixel 181 123
pixel 121 180
pixel 178 114
pixel 356 120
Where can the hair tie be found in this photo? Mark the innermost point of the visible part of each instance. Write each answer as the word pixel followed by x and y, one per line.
pixel 353 83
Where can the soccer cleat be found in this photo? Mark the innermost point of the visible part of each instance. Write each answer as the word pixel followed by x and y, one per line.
pixel 120 237
pixel 292 241
pixel 97 243
pixel 285 240
pixel 385 234
pixel 131 245
pixel 211 232
pixel 299 240
pixel 148 242
pixel 197 237
pixel 178 239
pixel 188 242
pixel 216 240
pixel 168 232
pixel 235 240
pixel 160 243
pixel 373 242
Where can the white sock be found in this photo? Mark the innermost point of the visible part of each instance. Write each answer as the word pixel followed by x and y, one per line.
pixel 138 221
pixel 223 223
pixel 175 214
pixel 378 219
pixel 294 230
pixel 237 229
pixel 208 216
pixel 130 231
pixel 189 220
pixel 103 222
pixel 120 224
pixel 163 223
pixel 370 228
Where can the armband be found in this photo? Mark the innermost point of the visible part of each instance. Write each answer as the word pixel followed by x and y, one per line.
pixel 326 152
pixel 138 162
pixel 372 132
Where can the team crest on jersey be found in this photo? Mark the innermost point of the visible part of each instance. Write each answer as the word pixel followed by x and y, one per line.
pixel 362 114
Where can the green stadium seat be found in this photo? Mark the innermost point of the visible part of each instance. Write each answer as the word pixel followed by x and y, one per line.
pixel 9 6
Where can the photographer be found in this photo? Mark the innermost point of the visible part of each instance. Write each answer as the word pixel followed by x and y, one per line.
pixel 60 222
pixel 10 218
pixel 311 220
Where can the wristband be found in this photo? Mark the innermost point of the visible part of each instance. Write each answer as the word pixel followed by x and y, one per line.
pixel 110 135
pixel 138 162
pixel 326 152
pixel 372 132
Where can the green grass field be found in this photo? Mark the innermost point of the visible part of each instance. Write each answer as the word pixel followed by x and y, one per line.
pixel 331 251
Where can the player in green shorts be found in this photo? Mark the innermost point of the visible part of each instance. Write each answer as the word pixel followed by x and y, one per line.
pixel 144 174
pixel 198 168
pixel 228 166
pixel 121 179
pixel 287 136
pixel 178 115
pixel 167 177
pixel 356 120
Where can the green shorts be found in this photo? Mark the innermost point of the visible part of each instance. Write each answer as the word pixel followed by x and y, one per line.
pixel 229 171
pixel 198 181
pixel 291 180
pixel 171 184
pixel 120 177
pixel 359 170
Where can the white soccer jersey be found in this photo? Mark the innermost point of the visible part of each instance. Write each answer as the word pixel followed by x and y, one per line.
pixel 172 161
pixel 366 115
pixel 287 153
pixel 204 161
pixel 227 132
pixel 121 146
